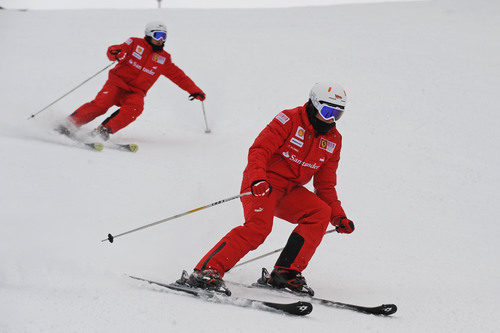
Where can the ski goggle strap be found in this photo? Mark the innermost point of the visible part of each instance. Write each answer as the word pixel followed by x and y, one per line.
pixel 329 112
pixel 157 35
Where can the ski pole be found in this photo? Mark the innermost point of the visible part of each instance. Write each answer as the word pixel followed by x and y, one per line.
pixel 269 253
pixel 207 130
pixel 111 237
pixel 69 92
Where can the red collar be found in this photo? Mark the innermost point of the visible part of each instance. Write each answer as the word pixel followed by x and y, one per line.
pixel 305 119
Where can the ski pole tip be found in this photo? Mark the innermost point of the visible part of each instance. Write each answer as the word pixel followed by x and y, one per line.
pixel 109 239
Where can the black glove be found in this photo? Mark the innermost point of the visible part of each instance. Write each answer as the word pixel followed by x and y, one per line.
pixel 344 225
pixel 116 54
pixel 197 95
pixel 260 188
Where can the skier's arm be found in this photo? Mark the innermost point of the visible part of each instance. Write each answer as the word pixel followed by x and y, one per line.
pixel 325 181
pixel 120 51
pixel 265 145
pixel 177 76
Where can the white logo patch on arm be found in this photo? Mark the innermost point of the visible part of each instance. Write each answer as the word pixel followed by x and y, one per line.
pixel 282 118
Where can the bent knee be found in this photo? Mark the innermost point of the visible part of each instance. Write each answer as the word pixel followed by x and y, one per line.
pixel 324 211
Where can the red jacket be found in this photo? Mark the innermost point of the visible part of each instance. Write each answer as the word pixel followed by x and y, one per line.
pixel 288 153
pixel 140 67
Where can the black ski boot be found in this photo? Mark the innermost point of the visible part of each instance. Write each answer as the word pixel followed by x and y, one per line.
pixel 283 278
pixel 208 279
pixel 66 128
pixel 102 132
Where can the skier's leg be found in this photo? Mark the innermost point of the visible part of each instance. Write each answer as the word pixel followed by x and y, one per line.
pixel 107 97
pixel 312 215
pixel 131 106
pixel 258 212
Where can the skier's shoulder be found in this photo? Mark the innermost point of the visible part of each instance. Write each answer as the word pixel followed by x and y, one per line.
pixel 334 135
pixel 134 40
pixel 288 115
pixel 165 54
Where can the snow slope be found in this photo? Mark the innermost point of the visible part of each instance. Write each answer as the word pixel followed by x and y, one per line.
pixel 136 4
pixel 418 174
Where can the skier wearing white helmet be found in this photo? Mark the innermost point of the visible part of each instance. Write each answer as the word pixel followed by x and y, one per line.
pixel 141 61
pixel 298 145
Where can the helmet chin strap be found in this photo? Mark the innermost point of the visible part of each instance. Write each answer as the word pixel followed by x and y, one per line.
pixel 319 126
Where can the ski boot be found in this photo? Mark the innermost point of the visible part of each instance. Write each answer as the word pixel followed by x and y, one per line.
pixel 283 278
pixel 102 132
pixel 208 279
pixel 66 128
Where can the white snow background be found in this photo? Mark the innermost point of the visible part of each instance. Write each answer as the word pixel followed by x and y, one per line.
pixel 419 172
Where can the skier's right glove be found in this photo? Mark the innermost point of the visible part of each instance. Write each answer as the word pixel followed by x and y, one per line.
pixel 260 188
pixel 197 95
pixel 116 54
pixel 344 225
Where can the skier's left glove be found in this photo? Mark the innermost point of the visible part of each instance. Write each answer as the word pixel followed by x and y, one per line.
pixel 344 225
pixel 116 54
pixel 200 95
pixel 261 188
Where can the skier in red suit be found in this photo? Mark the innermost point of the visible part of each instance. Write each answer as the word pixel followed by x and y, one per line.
pixel 298 145
pixel 140 62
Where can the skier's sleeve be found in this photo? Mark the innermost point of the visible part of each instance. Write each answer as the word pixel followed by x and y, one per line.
pixel 267 142
pixel 119 51
pixel 177 76
pixel 325 181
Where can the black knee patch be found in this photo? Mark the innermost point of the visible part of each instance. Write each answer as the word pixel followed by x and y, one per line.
pixel 109 118
pixel 291 250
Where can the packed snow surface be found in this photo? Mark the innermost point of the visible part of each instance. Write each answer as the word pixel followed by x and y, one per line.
pixel 135 4
pixel 418 173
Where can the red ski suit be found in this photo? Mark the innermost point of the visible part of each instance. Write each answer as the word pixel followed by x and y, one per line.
pixel 287 153
pixel 129 82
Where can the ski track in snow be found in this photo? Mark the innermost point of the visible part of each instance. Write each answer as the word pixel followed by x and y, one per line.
pixel 418 173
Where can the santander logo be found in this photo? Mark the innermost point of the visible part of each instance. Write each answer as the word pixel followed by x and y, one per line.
pixel 294 159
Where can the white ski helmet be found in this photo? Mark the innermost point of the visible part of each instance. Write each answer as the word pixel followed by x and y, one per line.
pixel 156 30
pixel 329 99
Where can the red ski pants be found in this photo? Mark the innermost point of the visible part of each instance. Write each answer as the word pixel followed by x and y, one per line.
pixel 299 206
pixel 131 106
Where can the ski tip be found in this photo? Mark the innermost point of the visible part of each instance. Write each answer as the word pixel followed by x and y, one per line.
pixel 96 146
pixel 298 308
pixel 133 148
pixel 389 309
pixel 303 308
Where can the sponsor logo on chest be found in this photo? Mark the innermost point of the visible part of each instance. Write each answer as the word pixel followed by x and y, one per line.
pixel 139 50
pixel 327 145
pixel 135 64
pixel 300 162
pixel 300 133
pixel 298 139
pixel 159 59
pixel 149 71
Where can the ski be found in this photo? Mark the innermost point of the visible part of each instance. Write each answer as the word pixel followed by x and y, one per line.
pixel 130 147
pixel 96 146
pixel 384 309
pixel 300 308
